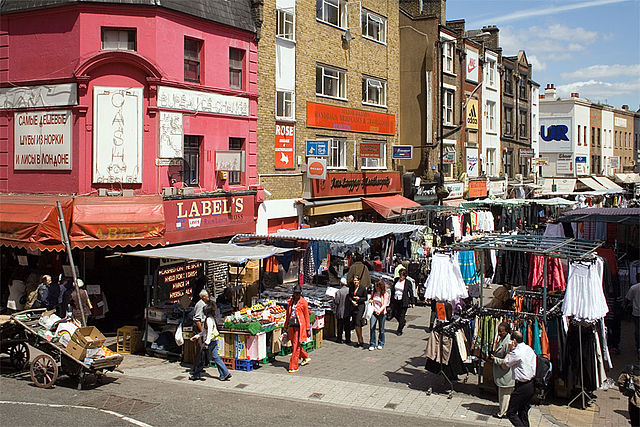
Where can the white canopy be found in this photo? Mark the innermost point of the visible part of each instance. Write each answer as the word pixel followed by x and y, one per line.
pixel 348 233
pixel 218 252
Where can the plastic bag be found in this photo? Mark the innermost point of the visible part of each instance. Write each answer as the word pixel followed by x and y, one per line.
pixel 179 338
pixel 368 310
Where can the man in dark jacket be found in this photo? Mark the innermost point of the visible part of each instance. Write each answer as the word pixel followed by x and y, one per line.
pixel 358 268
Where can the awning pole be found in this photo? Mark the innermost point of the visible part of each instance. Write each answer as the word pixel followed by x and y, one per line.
pixel 65 240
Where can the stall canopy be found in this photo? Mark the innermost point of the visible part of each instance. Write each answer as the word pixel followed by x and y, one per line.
pixel 213 252
pixel 592 183
pixel 348 233
pixel 607 183
pixel 389 206
pixel 31 221
pixel 628 178
pixel 117 221
pixel 615 215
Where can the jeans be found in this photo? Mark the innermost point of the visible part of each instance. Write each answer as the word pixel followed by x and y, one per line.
pixel 379 320
pixel 207 354
pixel 518 412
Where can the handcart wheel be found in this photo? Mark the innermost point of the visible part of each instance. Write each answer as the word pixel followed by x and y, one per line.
pixel 19 355
pixel 44 371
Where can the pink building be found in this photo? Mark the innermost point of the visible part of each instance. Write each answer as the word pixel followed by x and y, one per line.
pixel 130 100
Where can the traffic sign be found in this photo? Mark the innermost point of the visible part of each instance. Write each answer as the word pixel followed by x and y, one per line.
pixel 318 147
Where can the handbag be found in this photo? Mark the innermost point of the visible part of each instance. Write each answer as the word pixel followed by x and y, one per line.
pixel 294 322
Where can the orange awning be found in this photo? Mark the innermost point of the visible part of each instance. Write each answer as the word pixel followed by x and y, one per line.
pixel 117 221
pixel 31 220
pixel 389 205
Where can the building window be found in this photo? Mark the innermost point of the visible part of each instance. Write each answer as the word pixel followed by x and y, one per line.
pixel 491 162
pixel 191 168
pixel 447 108
pixel 593 136
pixel 118 39
pixel 192 50
pixel 508 84
pixel 491 73
pixel 491 116
pixel 284 105
pixel 523 123
pixel 508 120
pixel 599 134
pixel 236 144
pixel 449 151
pixel 285 26
pixel 584 135
pixel 579 134
pixel 332 12
pixel 447 53
pixel 331 82
pixel 374 91
pixel 374 26
pixel 375 162
pixel 236 58
pixel 337 154
pixel 522 86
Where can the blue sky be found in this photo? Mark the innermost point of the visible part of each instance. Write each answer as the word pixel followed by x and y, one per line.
pixel 587 46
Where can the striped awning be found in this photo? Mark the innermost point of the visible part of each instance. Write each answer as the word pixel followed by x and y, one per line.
pixel 347 232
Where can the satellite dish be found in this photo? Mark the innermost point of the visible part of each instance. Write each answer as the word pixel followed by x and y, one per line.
pixel 347 37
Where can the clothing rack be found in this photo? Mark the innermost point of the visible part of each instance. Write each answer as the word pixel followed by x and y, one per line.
pixel 582 393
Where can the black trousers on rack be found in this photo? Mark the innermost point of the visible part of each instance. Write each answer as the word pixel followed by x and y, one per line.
pixel 518 412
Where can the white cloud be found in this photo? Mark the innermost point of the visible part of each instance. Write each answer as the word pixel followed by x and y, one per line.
pixel 556 38
pixel 538 65
pixel 601 71
pixel 599 90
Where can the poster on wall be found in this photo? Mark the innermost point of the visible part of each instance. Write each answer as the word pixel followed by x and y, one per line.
pixel 42 140
pixel 555 134
pixel 581 165
pixel 472 162
pixel 472 65
pixel 285 143
pixel 317 168
pixel 472 114
pixel 171 135
pixel 117 135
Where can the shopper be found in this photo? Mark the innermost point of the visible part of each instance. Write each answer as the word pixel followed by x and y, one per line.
pixel 42 296
pixel 503 377
pixel 342 312
pixel 358 298
pixel 522 360
pixel 379 301
pixel 83 299
pixel 629 384
pixel 209 347
pixel 358 268
pixel 633 298
pixel 402 296
pixel 332 272
pixel 297 325
pixel 198 310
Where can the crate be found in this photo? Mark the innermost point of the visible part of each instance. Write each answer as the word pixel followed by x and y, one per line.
pixel 286 350
pixel 309 346
pixel 270 358
pixel 245 365
pixel 128 340
pixel 229 362
pixel 317 337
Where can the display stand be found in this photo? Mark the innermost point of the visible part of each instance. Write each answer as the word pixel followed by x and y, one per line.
pixel 441 372
pixel 582 393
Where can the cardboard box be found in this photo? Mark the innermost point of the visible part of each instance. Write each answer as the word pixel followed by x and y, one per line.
pixel 241 347
pixel 88 337
pixel 76 351
pixel 276 344
pixel 248 274
pixel 229 345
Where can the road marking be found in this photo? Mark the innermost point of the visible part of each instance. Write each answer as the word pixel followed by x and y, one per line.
pixel 55 405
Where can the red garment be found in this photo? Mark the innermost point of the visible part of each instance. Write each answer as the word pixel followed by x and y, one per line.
pixel 529 335
pixel 544 342
pixel 612 232
pixel 302 313
pixel 298 351
pixel 610 256
pixel 377 265
pixel 555 274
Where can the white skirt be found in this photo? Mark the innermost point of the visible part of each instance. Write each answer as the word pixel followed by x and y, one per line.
pixel 445 282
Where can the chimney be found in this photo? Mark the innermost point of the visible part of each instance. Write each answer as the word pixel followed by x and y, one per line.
pixel 575 95
pixel 493 41
pixel 625 107
pixel 550 92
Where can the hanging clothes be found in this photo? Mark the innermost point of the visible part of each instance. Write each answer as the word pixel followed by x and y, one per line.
pixel 555 274
pixel 554 230
pixel 467 262
pixel 584 298
pixel 445 282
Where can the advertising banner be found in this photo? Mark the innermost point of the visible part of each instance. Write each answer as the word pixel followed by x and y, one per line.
pixel 370 150
pixel 473 165
pixel 317 168
pixel 42 140
pixel 285 143
pixel 472 114
pixel 349 119
pixel 555 134
pixel 318 148
pixel 171 135
pixel 351 183
pixel 472 65
pixel 402 152
pixel 477 189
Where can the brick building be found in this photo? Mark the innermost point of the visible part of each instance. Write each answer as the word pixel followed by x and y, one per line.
pixel 623 129
pixel 337 83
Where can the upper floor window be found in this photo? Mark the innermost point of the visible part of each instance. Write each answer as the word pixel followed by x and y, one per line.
pixel 235 177
pixel 508 120
pixel 523 123
pixel 285 25
pixel 491 72
pixel 508 84
pixel 284 105
pixel 447 53
pixel 337 158
pixel 236 59
pixel 373 154
pixel 447 107
pixel 331 82
pixel 522 86
pixel 191 168
pixel 192 49
pixel 374 26
pixel 491 116
pixel 333 12
pixel 118 39
pixel 579 135
pixel 374 91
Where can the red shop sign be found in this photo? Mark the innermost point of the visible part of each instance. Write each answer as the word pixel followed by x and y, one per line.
pixel 477 189
pixel 356 184
pixel 370 150
pixel 349 119
pixel 285 140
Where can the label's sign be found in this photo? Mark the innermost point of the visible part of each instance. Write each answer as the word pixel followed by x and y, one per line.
pixel 285 143
pixel 456 190
pixel 170 135
pixel 477 189
pixel 318 147
pixel 117 135
pixel 370 150
pixel 555 134
pixel 206 212
pixel 526 153
pixel 402 152
pixel 351 184
pixel 317 168
pixel 42 140
pixel 472 114
pixel 473 167
pixel 472 65
pixel 193 100
pixel 349 119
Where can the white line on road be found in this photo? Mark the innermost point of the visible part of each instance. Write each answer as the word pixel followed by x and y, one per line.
pixel 54 405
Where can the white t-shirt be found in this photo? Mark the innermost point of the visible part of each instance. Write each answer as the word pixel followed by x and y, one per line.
pixel 522 361
pixel 399 289
pixel 633 295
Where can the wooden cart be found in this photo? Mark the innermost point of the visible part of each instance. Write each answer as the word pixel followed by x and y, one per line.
pixel 46 367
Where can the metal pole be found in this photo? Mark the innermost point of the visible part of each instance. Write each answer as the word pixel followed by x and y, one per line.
pixel 481 275
pixel 65 240
pixel 544 290
pixel 441 125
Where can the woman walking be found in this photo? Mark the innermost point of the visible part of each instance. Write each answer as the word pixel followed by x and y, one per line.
pixel 358 297
pixel 502 377
pixel 402 296
pixel 209 348
pixel 82 299
pixel 379 301
pixel 297 325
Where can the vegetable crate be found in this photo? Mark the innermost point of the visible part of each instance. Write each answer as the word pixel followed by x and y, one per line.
pixel 309 346
pixel 245 365
pixel 270 358
pixel 230 362
pixel 286 350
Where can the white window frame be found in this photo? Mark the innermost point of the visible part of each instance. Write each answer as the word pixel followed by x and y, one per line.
pixel 290 101
pixel 491 73
pixel 367 83
pixel 332 73
pixel 491 161
pixel 339 146
pixel 371 163
pixel 491 116
pixel 449 168
pixel 281 17
pixel 449 95
pixel 122 35
pixel 448 52
pixel 341 7
pixel 367 17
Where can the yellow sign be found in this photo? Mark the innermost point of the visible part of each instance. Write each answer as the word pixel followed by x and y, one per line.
pixel 472 114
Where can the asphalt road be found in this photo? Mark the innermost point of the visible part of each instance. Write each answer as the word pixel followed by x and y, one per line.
pixel 152 402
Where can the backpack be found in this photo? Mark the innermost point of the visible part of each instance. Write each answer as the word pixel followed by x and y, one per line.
pixel 543 372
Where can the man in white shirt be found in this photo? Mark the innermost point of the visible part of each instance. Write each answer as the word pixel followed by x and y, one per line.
pixel 522 361
pixel 198 311
pixel 633 297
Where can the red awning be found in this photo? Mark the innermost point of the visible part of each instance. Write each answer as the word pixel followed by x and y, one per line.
pixel 389 205
pixel 117 221
pixel 31 220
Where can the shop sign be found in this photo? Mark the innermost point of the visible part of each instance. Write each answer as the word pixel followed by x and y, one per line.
pixel 370 150
pixel 472 162
pixel 285 142
pixel 526 153
pixel 581 165
pixel 317 168
pixel 564 185
pixel 354 184
pixel 60 95
pixel 477 189
pixel 555 134
pixel 472 114
pixel 349 119
pixel 472 65
pixel 117 134
pixel 402 152
pixel 620 122
pixel 229 161
pixel 318 148
pixel 425 194
pixel 449 158
pixel 456 190
pixel 541 161
pixel 42 140
pixel 174 280
pixel 497 188
pixel 208 102
pixel 614 162
pixel 171 135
